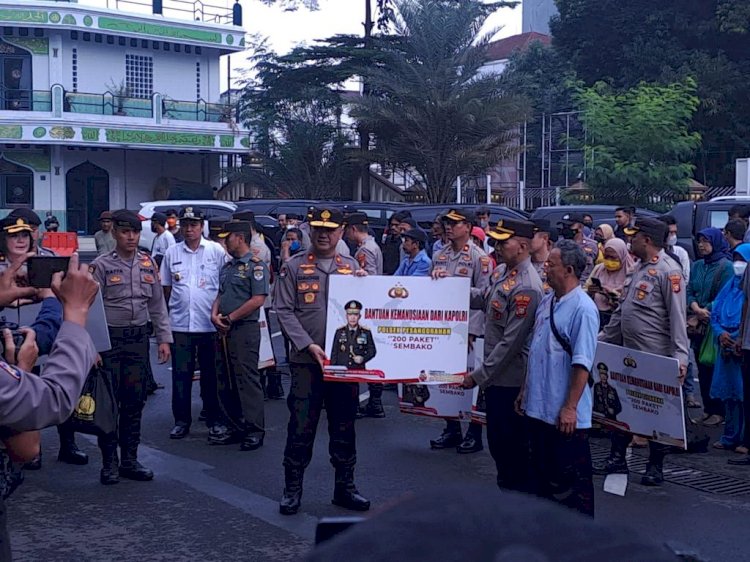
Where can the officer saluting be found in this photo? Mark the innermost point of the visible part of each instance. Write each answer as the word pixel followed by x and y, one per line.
pixel 300 298
pixel 353 345
pixel 131 291
pixel 510 305
pixel 243 288
pixel 651 318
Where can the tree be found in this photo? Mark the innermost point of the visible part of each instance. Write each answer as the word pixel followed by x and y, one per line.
pixel 639 142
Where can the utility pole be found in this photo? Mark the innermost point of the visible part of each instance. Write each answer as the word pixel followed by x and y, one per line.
pixel 364 134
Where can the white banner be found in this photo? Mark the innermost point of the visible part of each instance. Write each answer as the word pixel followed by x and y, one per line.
pixel 266 357
pixel 399 329
pixel 478 406
pixel 436 401
pixel 639 392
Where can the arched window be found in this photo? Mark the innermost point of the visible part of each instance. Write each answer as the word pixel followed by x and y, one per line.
pixel 16 185
pixel 15 77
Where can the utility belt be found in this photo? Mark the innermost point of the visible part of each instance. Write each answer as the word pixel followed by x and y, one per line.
pixel 128 332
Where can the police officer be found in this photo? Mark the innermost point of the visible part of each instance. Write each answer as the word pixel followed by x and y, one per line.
pixel 243 288
pixel 510 304
pixel 131 291
pixel 571 228
pixel 353 345
pixel 34 221
pixel 650 318
pixel 606 400
pixel 300 298
pixel 462 258
pixel 545 236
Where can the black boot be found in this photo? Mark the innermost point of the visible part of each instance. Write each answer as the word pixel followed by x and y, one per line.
pixel 654 475
pixel 109 473
pixel 472 443
pixel 273 387
pixel 133 470
pixel 451 437
pixel 130 438
pixel 345 493
pixel 612 465
pixel 69 451
pixel 292 497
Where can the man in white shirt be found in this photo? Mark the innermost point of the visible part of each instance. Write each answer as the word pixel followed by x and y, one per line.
pixel 190 276
pixel 163 239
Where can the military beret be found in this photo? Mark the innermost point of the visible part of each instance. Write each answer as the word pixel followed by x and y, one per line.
pixel 507 228
pixel 160 218
pixel 459 215
pixel 235 226
pixel 12 225
pixel 326 218
pixel 127 219
pixel 191 214
pixel 416 234
pixel 105 216
pixel 358 218
pixel 27 214
pixel 353 307
pixel 654 228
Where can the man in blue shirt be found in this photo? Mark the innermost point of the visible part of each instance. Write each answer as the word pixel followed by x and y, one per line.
pixel 556 395
pixel 416 263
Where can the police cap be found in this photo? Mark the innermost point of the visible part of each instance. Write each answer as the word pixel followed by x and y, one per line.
pixel 27 214
pixel 508 228
pixel 459 215
pixel 12 225
pixel 326 218
pixel 357 218
pixel 191 214
pixel 544 225
pixel 353 307
pixel 653 228
pixel 235 226
pixel 215 226
pixel 571 218
pixel 247 216
pixel 127 219
pixel 601 366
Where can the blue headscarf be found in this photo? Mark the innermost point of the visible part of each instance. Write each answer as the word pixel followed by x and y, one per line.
pixel 719 245
pixel 731 299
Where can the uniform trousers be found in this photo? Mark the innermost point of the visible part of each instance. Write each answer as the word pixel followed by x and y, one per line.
pixel 127 361
pixel 305 401
pixel 560 466
pixel 188 345
pixel 506 437
pixel 243 346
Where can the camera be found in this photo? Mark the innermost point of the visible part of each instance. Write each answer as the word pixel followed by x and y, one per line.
pixel 18 337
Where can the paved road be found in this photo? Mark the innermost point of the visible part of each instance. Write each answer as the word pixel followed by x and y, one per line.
pixel 217 503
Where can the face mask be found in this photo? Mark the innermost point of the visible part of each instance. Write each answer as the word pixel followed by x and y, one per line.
pixel 295 246
pixel 568 233
pixel 599 239
pixel 739 267
pixel 671 240
pixel 172 222
pixel 483 223
pixel 612 265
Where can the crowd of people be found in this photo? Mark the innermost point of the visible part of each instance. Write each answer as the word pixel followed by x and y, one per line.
pixel 542 296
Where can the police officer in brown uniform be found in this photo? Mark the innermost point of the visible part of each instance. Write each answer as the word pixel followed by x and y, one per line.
pixel 461 258
pixel 300 298
pixel 651 318
pixel 132 293
pixel 510 304
pixel 243 288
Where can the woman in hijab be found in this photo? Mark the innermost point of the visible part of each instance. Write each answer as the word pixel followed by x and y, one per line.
pixel 603 234
pixel 707 276
pixel 608 278
pixel 726 317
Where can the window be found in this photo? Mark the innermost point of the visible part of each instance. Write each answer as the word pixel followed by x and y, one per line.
pixel 139 75
pixel 74 65
pixel 719 219
pixel 16 185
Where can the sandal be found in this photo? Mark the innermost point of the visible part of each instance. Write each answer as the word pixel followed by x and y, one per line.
pixel 693 403
pixel 742 450
pixel 720 445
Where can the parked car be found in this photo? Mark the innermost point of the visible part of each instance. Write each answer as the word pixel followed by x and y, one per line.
pixel 211 208
pixel 425 214
pixel 600 213
pixel 693 217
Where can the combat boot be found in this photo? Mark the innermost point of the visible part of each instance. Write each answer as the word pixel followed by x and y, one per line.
pixel 274 389
pixel 447 440
pixel 654 475
pixel 614 464
pixel 345 493
pixel 69 451
pixel 133 470
pixel 109 473
pixel 292 496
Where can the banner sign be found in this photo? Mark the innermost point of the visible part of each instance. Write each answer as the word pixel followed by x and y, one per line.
pixel 397 329
pixel 436 401
pixel 266 357
pixel 639 392
pixel 478 406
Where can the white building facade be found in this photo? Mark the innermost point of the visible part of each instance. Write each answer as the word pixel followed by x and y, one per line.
pixel 102 109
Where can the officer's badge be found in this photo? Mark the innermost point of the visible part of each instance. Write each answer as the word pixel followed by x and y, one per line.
pixel 115 279
pixel 641 295
pixel 506 286
pixel 675 279
pixel 345 270
pixel 398 292
pixel 652 272
pixel 242 267
pixel 148 278
pixel 655 259
pixel 463 271
pixel 522 305
pixel 146 263
pixel 258 275
pixel 514 273
pixel 325 215
pixel 485 261
pixel 362 259
pixel 315 286
pixel 495 276
pixel 343 348
pixel 303 287
pixel 177 276
pixel 309 298
pixel 85 408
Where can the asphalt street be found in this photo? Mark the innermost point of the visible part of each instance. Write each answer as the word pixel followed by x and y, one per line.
pixel 218 503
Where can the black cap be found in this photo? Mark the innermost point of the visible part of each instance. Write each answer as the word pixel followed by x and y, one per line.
pixel 571 218
pixel 191 214
pixel 326 218
pixel 651 227
pixel 127 219
pixel 543 225
pixel 417 234
pixel 235 226
pixel 248 216
pixel 215 226
pixel 353 307
pixel 160 218
pixel 50 220
pixel 410 221
pixel 459 215
pixel 507 228
pixel 310 212
pixel 12 225
pixel 358 218
pixel 30 216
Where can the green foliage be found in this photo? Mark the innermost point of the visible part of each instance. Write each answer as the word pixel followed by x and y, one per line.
pixel 638 140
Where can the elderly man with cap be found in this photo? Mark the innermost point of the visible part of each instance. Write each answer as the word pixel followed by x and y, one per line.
pixel 462 258
pixel 190 278
pixel 105 242
pixel 510 303
pixel 301 301
pixel 163 239
pixel 651 318
pixel 243 288
pixel 416 263
pixel 545 236
pixel 130 288
pixel 571 228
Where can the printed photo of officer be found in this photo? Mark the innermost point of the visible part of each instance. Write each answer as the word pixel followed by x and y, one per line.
pixel 606 400
pixel 353 345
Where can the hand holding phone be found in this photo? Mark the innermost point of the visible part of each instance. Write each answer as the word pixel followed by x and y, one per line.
pixel 42 268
